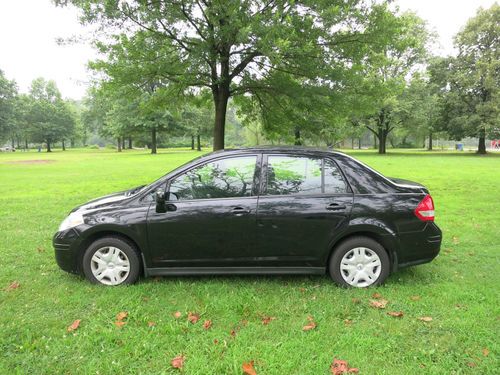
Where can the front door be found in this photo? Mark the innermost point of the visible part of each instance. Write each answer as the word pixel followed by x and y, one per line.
pixel 304 201
pixel 211 217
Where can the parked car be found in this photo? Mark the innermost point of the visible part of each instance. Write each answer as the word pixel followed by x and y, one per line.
pixel 7 149
pixel 265 210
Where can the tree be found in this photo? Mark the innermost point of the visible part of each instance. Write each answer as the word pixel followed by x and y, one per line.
pixel 8 92
pixel 234 47
pixel 49 117
pixel 388 71
pixel 473 102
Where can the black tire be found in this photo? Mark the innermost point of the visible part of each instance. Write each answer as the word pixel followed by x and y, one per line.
pixel 345 247
pixel 125 246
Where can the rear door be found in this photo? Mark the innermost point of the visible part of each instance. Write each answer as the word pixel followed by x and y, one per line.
pixel 304 200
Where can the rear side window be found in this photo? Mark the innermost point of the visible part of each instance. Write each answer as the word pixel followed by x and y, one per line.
pixel 224 178
pixel 287 175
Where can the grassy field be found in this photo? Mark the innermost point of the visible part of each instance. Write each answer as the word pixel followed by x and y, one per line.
pixel 459 290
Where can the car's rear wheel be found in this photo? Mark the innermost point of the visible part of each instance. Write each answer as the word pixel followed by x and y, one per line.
pixel 111 261
pixel 359 262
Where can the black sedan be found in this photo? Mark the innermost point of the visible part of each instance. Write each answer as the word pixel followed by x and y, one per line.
pixel 279 210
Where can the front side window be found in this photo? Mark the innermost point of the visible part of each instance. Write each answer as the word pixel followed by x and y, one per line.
pixel 288 175
pixel 224 178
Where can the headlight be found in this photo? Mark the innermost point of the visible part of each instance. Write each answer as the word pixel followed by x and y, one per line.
pixel 74 219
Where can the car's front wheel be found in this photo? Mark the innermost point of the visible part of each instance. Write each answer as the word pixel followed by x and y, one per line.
pixel 359 262
pixel 111 261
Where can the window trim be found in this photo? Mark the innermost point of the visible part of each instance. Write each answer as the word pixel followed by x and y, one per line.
pixel 265 164
pixel 254 193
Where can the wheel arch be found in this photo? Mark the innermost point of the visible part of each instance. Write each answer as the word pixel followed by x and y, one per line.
pixel 387 240
pixel 94 236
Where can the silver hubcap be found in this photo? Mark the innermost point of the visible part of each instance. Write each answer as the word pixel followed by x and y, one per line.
pixel 110 265
pixel 360 267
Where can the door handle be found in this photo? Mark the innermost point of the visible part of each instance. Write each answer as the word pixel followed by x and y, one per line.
pixel 335 207
pixel 238 211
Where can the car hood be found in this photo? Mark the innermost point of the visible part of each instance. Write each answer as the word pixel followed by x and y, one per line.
pixel 107 200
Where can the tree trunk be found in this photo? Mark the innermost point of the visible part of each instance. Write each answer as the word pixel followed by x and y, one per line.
pixel 26 144
pixel 119 143
pixel 198 142
pixel 430 142
pixel 153 141
pixel 192 142
pixel 130 143
pixel 48 147
pixel 221 97
pixel 481 147
pixel 13 143
pixel 123 143
pixel 298 139
pixel 18 146
pixel 63 145
pixel 359 143
pixel 381 141
pixel 375 144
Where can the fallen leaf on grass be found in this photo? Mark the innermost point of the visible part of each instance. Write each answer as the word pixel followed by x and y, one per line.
pixel 377 295
pixel 207 324
pixel 232 333
pixel 177 314
pixel 425 319
pixel 12 286
pixel 347 322
pixel 456 241
pixel 486 352
pixel 151 324
pixel 74 326
pixel 356 300
pixel 40 249
pixel 121 315
pixel 309 326
pixel 380 304
pixel 415 298
pixel 396 314
pixel 471 364
pixel 248 368
pixel 178 362
pixel 193 317
pixel 120 324
pixel 267 319
pixel 339 367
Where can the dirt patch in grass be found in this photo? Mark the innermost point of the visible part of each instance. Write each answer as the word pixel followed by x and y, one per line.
pixel 38 161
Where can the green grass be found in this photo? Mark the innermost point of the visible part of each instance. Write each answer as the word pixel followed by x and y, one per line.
pixel 459 289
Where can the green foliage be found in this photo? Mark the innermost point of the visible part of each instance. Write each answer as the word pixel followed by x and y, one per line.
pixel 49 116
pixel 8 92
pixel 298 66
pixel 470 82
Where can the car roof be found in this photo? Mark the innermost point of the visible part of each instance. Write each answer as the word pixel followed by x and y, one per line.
pixel 272 148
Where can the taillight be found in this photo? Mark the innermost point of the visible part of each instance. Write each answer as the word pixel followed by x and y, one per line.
pixel 425 209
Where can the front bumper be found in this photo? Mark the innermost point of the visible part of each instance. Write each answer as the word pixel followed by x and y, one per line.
pixel 420 247
pixel 66 245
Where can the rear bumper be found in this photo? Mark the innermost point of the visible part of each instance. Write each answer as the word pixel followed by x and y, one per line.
pixel 66 245
pixel 420 247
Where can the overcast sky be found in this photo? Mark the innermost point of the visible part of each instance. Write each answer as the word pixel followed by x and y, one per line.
pixel 29 29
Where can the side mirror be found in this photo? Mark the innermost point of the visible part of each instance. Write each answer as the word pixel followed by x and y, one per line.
pixel 160 201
